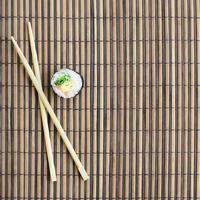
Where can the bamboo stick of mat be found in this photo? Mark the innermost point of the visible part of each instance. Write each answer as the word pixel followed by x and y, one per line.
pixel 50 111
pixel 42 108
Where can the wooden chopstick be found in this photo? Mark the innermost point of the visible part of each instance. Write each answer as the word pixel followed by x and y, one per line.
pixel 50 111
pixel 42 108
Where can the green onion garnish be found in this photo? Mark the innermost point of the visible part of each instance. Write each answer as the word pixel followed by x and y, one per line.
pixel 63 79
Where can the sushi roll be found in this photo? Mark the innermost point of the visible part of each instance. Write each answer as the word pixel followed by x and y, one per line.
pixel 66 83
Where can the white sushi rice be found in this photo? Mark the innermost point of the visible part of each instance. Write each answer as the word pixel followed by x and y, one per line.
pixel 74 76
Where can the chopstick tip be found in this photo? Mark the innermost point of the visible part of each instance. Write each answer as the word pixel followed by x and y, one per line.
pixel 86 178
pixel 12 38
pixel 84 174
pixel 54 179
pixel 29 24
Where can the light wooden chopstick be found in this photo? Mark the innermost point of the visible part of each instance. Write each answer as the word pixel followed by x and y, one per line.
pixel 42 108
pixel 50 111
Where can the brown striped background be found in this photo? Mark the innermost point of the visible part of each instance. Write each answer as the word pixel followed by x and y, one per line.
pixel 135 124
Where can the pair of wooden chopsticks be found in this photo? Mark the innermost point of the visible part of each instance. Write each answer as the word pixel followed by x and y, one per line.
pixel 45 104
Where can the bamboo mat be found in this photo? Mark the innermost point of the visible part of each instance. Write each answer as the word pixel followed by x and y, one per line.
pixel 135 123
